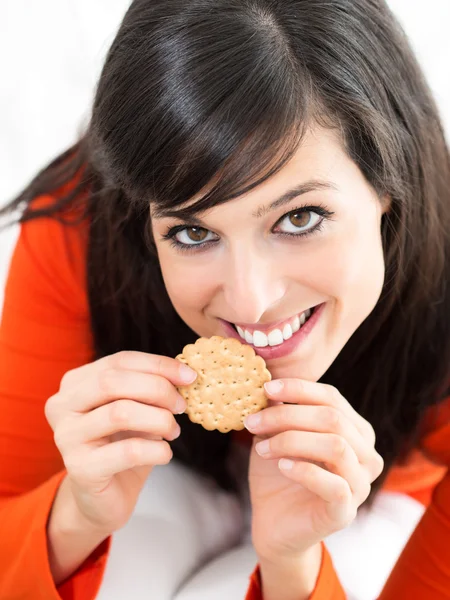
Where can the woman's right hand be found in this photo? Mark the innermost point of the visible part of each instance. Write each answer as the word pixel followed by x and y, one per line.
pixel 112 420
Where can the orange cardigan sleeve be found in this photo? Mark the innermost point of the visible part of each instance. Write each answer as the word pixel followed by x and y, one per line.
pixel 328 586
pixel 423 569
pixel 44 332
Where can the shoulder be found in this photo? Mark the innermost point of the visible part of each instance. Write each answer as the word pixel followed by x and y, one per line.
pixel 50 257
pixel 435 440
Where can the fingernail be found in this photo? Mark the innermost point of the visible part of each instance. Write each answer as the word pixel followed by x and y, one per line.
pixel 263 447
pixel 285 464
pixel 252 421
pixel 274 387
pixel 187 375
pixel 180 406
pixel 177 432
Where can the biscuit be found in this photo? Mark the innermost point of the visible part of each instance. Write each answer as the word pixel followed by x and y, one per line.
pixel 229 384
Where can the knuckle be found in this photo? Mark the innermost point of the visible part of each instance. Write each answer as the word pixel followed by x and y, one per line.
pixel 366 488
pixel 67 379
pixel 309 471
pixel 284 442
pixel 338 446
pixel 378 465
pixel 158 364
pixel 107 381
pixel 343 493
pixel 331 417
pixel 119 414
pixel 288 442
pixel 334 395
pixel 351 515
pixel 166 453
pixel 133 451
pixel 59 438
pixel 161 388
pixel 168 421
pixel 49 409
pixel 119 360
pixel 369 433
pixel 300 386
pixel 279 416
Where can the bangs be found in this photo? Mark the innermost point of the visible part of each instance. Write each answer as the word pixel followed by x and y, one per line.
pixel 222 161
pixel 254 162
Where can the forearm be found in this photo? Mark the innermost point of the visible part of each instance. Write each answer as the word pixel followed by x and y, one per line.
pixel 293 580
pixel 70 539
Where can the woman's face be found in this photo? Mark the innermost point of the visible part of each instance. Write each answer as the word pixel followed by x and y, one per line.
pixel 264 263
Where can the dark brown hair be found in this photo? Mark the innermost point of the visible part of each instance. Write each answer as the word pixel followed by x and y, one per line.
pixel 223 90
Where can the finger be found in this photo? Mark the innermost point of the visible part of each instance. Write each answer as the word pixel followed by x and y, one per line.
pixel 106 461
pixel 301 391
pixel 175 371
pixel 332 488
pixel 321 419
pixel 119 416
pixel 113 384
pixel 123 435
pixel 328 448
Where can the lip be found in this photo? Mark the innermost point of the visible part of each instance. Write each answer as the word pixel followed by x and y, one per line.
pixel 288 346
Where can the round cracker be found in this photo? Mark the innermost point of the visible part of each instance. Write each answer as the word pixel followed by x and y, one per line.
pixel 229 385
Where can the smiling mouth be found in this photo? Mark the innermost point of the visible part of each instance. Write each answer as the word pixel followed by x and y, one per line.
pixel 277 335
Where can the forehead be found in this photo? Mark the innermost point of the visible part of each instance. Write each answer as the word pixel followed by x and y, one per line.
pixel 318 152
pixel 316 157
pixel 318 163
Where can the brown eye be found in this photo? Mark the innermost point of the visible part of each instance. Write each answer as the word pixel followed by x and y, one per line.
pixel 299 222
pixel 196 234
pixel 300 219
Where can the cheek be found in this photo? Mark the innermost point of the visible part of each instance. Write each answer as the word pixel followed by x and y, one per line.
pixel 190 287
pixel 348 270
pixel 356 273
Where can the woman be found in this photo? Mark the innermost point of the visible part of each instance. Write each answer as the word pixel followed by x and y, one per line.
pixel 251 169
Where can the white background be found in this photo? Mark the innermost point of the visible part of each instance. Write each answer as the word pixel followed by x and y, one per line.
pixel 51 52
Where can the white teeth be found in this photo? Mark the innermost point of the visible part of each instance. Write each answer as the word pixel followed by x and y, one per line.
pixel 295 324
pixel 248 337
pixel 275 337
pixel 260 339
pixel 287 332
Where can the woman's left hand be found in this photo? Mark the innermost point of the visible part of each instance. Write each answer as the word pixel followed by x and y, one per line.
pixel 333 462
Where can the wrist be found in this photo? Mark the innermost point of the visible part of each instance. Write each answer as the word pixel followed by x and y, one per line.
pixel 293 577
pixel 71 539
pixel 67 519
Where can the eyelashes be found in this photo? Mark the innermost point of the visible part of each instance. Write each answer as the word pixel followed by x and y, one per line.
pixel 196 247
pixel 320 212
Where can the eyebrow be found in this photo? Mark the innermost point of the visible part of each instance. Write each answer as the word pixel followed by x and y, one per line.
pixel 312 185
pixel 304 188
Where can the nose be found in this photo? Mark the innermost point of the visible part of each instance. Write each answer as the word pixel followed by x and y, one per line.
pixel 252 285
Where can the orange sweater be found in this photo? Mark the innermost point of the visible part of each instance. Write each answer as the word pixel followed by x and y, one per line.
pixel 44 332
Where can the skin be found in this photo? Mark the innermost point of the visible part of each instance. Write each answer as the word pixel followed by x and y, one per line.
pixel 257 277
pixel 250 273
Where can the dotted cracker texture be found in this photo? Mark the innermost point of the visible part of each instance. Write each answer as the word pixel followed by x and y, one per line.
pixel 229 385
